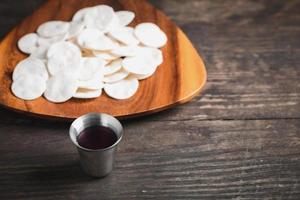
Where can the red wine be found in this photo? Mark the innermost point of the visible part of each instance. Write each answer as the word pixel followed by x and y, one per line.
pixel 97 137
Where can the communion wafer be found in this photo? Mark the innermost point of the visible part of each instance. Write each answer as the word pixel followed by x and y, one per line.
pixel 30 66
pixel 94 39
pixel 150 35
pixel 61 88
pixel 123 89
pixel 28 87
pixel 119 75
pixel 125 17
pixel 124 35
pixel 53 28
pixel 63 56
pixel 112 67
pixel 89 67
pixel 28 43
pixel 87 94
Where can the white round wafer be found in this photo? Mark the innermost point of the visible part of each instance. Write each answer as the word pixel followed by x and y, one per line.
pixel 87 94
pixel 115 24
pixel 61 88
pixel 40 53
pixel 30 66
pixel 95 40
pixel 105 55
pixel 28 43
pixel 120 75
pixel 153 55
pixel 123 89
pixel 142 77
pixel 101 17
pixel 28 87
pixel 89 67
pixel 49 41
pixel 150 35
pixel 44 44
pixel 95 83
pixel 112 67
pixel 124 35
pixel 126 51
pixel 53 28
pixel 139 65
pixel 125 17
pixel 63 56
pixel 75 29
pixel 80 14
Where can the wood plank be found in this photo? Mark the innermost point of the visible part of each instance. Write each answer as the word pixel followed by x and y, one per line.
pixel 240 89
pixel 158 160
pixel 231 13
pixel 251 50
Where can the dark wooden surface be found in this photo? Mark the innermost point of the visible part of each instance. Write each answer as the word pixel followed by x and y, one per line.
pixel 239 140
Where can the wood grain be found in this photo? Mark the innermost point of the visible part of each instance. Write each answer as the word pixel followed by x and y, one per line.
pixel 252 54
pixel 178 79
pixel 256 159
pixel 239 140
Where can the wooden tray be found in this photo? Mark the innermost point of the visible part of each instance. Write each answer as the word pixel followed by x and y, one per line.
pixel 178 79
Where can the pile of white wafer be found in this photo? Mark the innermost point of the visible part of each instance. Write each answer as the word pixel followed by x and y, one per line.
pixel 97 50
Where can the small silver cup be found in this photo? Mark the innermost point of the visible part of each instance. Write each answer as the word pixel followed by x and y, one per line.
pixel 97 163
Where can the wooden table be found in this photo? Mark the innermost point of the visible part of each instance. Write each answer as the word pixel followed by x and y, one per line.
pixel 239 140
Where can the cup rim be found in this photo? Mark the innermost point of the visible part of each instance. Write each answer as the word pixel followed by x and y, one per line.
pixel 74 140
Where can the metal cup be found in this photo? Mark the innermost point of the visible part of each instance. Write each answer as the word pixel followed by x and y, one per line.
pixel 97 163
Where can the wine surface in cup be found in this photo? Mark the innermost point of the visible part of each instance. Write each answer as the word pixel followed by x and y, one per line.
pixel 97 137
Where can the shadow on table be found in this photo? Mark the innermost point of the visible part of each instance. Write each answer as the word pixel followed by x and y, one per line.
pixel 67 174
pixel 8 116
pixel 48 180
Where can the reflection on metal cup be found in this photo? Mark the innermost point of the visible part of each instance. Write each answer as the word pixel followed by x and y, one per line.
pixel 99 162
